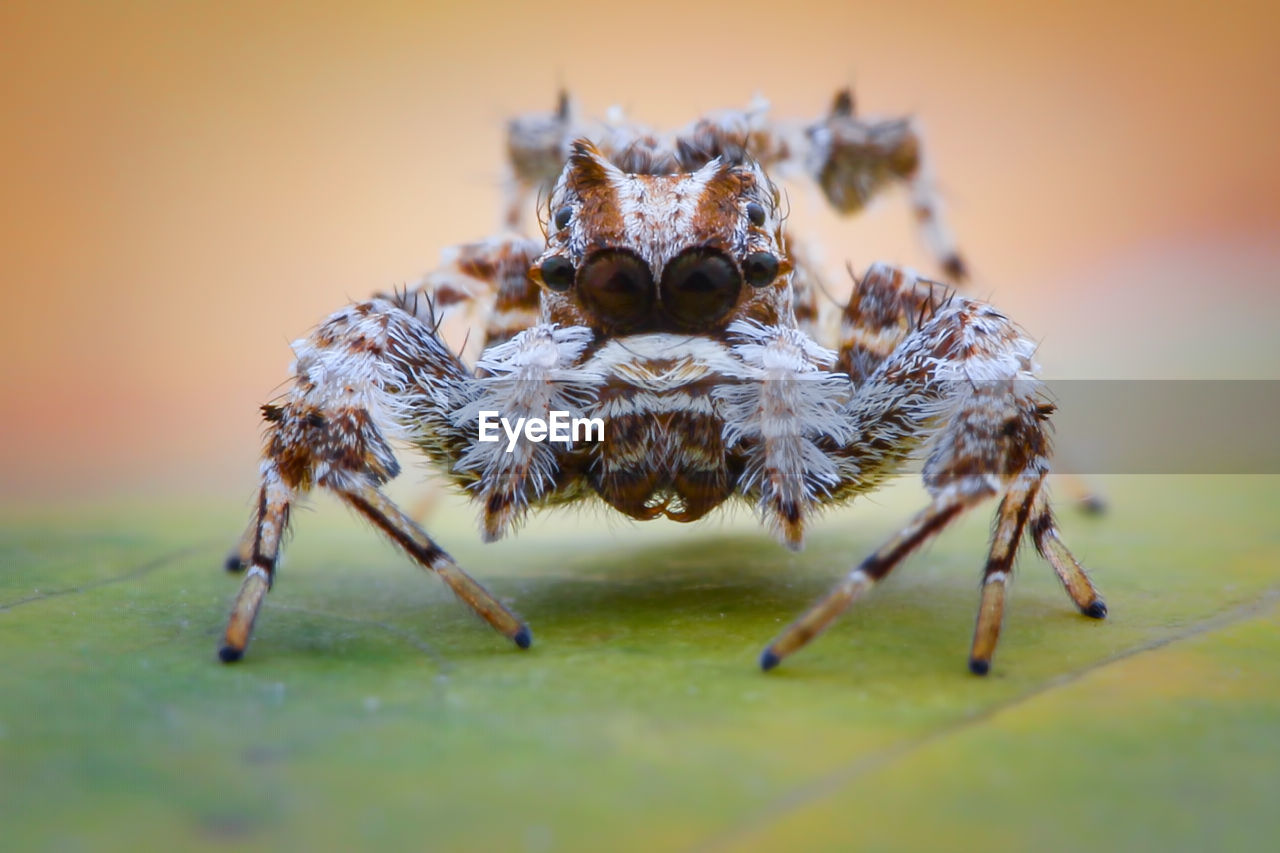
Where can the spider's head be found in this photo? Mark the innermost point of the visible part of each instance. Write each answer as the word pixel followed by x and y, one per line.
pixel 638 252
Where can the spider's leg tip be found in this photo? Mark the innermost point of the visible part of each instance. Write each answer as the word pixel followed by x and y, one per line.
pixel 230 654
pixel 769 659
pixel 524 637
pixel 978 666
pixel 1093 504
pixel 955 268
pixel 1096 610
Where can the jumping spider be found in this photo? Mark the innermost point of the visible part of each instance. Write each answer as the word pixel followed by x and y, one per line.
pixel 667 300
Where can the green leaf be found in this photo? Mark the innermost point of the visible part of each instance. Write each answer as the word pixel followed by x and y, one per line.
pixel 371 708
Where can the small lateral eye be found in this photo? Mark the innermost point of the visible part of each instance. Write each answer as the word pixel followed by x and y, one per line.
pixel 755 213
pixel 563 215
pixel 557 272
pixel 760 269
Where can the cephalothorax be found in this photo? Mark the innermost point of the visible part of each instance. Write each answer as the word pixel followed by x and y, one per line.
pixel 666 302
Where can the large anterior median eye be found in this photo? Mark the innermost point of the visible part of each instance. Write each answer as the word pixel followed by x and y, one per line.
pixel 699 287
pixel 616 287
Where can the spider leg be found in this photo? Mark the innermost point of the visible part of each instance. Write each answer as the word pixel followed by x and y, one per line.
pixel 479 294
pixel 1011 521
pixel 483 285
pixel 1025 503
pixel 537 146
pixel 371 371
pixel 239 556
pixel 926 204
pixel 269 529
pixel 401 529
pixel 954 377
pixel 853 159
pixel 1085 495
pixel 1044 531
pixel 887 303
pixel 926 524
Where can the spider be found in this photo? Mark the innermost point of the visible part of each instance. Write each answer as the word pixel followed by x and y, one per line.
pixel 668 301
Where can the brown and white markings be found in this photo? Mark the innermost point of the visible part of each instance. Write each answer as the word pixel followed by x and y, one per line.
pixel 663 301
pixel 852 158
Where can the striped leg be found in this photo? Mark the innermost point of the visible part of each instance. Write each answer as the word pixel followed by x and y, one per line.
pixel 927 524
pixel 957 374
pixel 238 557
pixel 537 146
pixel 1044 531
pixel 1084 494
pixel 371 370
pixel 479 292
pixel 401 529
pixel 886 305
pixel 927 205
pixel 1023 505
pixel 273 519
pixel 1011 521
pixel 853 159
pixel 264 552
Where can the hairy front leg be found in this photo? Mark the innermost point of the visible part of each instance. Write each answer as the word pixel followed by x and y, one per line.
pixel 887 304
pixel 370 373
pixel 960 384
pixel 479 295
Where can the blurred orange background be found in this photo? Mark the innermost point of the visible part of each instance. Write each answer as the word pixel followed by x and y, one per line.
pixel 190 186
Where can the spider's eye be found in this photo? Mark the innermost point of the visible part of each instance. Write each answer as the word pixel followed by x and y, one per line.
pixel 760 269
pixel 699 287
pixel 563 215
pixel 755 213
pixel 617 287
pixel 557 272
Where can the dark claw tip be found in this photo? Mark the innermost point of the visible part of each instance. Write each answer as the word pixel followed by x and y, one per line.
pixel 233 563
pixel 979 667
pixel 230 654
pixel 1093 504
pixel 523 637
pixel 768 660
pixel 1097 610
